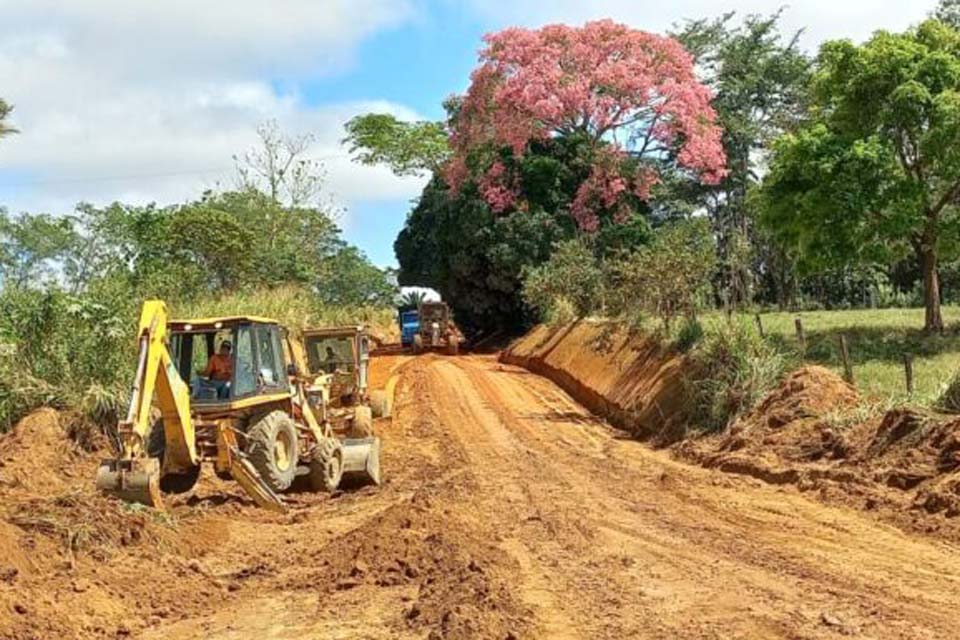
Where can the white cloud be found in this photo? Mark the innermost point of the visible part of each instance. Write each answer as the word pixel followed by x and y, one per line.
pixel 820 19
pixel 148 101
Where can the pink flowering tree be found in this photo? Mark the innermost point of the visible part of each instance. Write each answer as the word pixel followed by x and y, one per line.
pixel 632 95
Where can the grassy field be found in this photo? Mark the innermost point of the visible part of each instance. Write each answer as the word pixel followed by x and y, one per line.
pixel 877 340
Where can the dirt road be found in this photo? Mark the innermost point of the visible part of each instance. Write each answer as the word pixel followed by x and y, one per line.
pixel 509 512
pixel 512 512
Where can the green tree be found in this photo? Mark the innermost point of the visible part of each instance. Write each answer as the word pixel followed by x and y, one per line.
pixel 31 245
pixel 569 283
pixel 759 78
pixel 668 277
pixel 948 11
pixel 5 110
pixel 350 279
pixel 408 148
pixel 876 173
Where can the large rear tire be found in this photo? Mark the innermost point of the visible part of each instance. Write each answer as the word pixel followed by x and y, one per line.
pixel 380 403
pixel 272 449
pixel 156 448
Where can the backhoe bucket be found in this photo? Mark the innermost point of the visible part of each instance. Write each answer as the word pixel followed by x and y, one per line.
pixel 132 480
pixel 361 460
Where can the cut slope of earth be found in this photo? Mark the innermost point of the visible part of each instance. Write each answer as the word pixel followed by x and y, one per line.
pixel 904 465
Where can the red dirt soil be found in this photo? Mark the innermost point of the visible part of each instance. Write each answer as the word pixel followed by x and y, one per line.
pixel 508 511
pixel 903 466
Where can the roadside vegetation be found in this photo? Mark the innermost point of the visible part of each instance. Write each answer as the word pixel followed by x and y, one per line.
pixel 71 287
pixel 823 185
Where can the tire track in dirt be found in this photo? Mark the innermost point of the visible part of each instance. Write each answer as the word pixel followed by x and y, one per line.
pixel 688 552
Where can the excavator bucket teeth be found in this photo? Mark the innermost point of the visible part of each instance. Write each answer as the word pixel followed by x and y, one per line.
pixel 247 477
pixel 361 460
pixel 132 480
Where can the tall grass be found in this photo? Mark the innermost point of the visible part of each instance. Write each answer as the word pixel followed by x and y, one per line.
pixel 730 369
pixel 78 352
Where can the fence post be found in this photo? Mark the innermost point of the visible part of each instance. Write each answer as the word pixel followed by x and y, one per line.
pixel 908 372
pixel 759 322
pixel 845 356
pixel 801 337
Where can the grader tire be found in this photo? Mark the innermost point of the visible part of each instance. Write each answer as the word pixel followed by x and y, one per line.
pixel 380 403
pixel 362 423
pixel 326 471
pixel 156 448
pixel 272 450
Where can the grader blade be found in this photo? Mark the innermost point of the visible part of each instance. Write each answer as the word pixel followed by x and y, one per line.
pixel 361 460
pixel 132 480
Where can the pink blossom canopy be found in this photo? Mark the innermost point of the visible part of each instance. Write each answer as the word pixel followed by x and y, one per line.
pixel 631 92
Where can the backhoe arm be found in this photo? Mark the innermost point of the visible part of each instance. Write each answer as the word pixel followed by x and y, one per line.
pixel 134 476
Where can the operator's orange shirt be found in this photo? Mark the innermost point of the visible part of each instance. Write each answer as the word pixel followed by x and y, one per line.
pixel 219 367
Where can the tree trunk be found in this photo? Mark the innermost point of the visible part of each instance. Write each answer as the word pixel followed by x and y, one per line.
pixel 933 321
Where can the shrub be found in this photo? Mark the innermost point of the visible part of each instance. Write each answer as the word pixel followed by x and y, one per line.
pixel 729 371
pixel 668 277
pixel 949 399
pixel 567 286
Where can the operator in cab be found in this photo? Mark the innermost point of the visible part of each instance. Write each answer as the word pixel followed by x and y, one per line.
pixel 330 361
pixel 219 370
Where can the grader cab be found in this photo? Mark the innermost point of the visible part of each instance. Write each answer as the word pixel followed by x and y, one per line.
pixel 338 359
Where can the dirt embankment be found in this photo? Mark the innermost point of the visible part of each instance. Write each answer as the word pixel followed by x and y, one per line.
pixel 811 432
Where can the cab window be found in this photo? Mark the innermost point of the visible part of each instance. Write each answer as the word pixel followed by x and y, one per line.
pixel 271 372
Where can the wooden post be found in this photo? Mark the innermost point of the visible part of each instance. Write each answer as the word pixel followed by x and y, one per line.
pixel 845 356
pixel 759 322
pixel 908 372
pixel 801 337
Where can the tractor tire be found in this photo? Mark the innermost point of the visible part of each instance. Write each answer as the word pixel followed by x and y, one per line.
pixel 417 344
pixel 380 403
pixel 326 470
pixel 272 449
pixel 362 426
pixel 156 448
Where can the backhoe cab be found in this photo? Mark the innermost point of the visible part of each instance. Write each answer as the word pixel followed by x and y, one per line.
pixel 254 425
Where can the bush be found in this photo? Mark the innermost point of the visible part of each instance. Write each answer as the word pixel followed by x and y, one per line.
pixel 668 277
pixel 949 399
pixel 730 370
pixel 567 286
pixel 689 334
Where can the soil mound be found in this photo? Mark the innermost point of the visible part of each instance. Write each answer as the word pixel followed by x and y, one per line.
pixel 460 587
pixel 813 431
pixel 38 456
pixel 810 392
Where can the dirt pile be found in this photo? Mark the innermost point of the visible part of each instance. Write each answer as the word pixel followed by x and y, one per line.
pixel 813 431
pixel 73 563
pixel 455 586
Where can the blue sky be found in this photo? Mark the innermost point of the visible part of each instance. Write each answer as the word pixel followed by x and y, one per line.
pixel 148 102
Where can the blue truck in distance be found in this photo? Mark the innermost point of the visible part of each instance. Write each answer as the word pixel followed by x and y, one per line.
pixel 409 326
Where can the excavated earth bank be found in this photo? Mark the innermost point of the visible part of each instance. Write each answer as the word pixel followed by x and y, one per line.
pixel 903 466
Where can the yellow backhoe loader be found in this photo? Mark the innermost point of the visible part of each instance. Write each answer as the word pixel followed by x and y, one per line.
pixel 252 420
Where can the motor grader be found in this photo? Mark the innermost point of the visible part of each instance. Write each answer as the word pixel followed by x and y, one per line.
pixel 337 361
pixel 257 428
pixel 436 331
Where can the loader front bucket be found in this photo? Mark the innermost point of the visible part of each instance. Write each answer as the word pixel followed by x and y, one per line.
pixel 361 460
pixel 132 480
